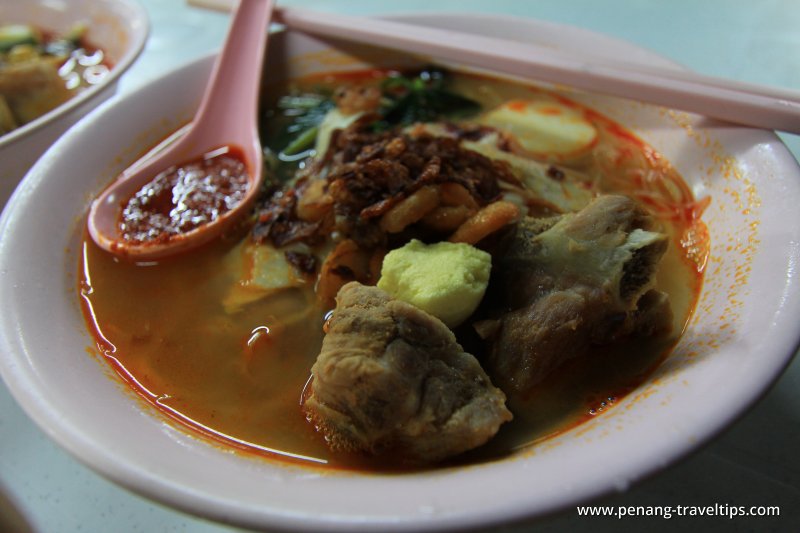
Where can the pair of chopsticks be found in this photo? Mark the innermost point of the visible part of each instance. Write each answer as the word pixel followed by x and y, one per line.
pixel 742 103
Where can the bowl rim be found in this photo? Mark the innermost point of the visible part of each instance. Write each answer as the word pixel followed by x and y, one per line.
pixel 141 22
pixel 226 511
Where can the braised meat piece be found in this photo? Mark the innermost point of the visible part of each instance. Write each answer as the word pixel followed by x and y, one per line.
pixel 391 378
pixel 566 283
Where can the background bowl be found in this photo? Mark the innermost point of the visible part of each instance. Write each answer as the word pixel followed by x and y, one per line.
pixel 118 27
pixel 741 337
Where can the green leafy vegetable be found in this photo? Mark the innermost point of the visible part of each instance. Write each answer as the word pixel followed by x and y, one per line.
pixel 15 35
pixel 422 98
pixel 306 112
pixel 302 142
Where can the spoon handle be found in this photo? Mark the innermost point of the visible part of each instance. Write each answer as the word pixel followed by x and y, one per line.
pixel 237 70
pixel 747 104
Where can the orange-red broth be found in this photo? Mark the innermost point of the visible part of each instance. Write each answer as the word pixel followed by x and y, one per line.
pixel 238 378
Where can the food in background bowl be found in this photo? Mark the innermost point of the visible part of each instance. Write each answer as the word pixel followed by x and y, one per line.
pixel 40 71
pixel 580 247
pixel 46 82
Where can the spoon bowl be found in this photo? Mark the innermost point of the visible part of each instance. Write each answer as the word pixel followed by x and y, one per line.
pixel 226 123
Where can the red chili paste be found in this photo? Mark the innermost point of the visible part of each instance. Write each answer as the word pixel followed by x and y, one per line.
pixel 184 197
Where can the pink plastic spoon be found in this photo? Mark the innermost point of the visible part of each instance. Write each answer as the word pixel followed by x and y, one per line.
pixel 227 118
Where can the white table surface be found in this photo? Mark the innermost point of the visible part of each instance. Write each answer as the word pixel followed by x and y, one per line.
pixel 755 462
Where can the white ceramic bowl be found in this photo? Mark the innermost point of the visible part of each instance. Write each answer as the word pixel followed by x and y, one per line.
pixel 741 337
pixel 118 27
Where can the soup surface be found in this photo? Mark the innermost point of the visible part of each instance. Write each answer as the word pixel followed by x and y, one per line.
pixel 221 343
